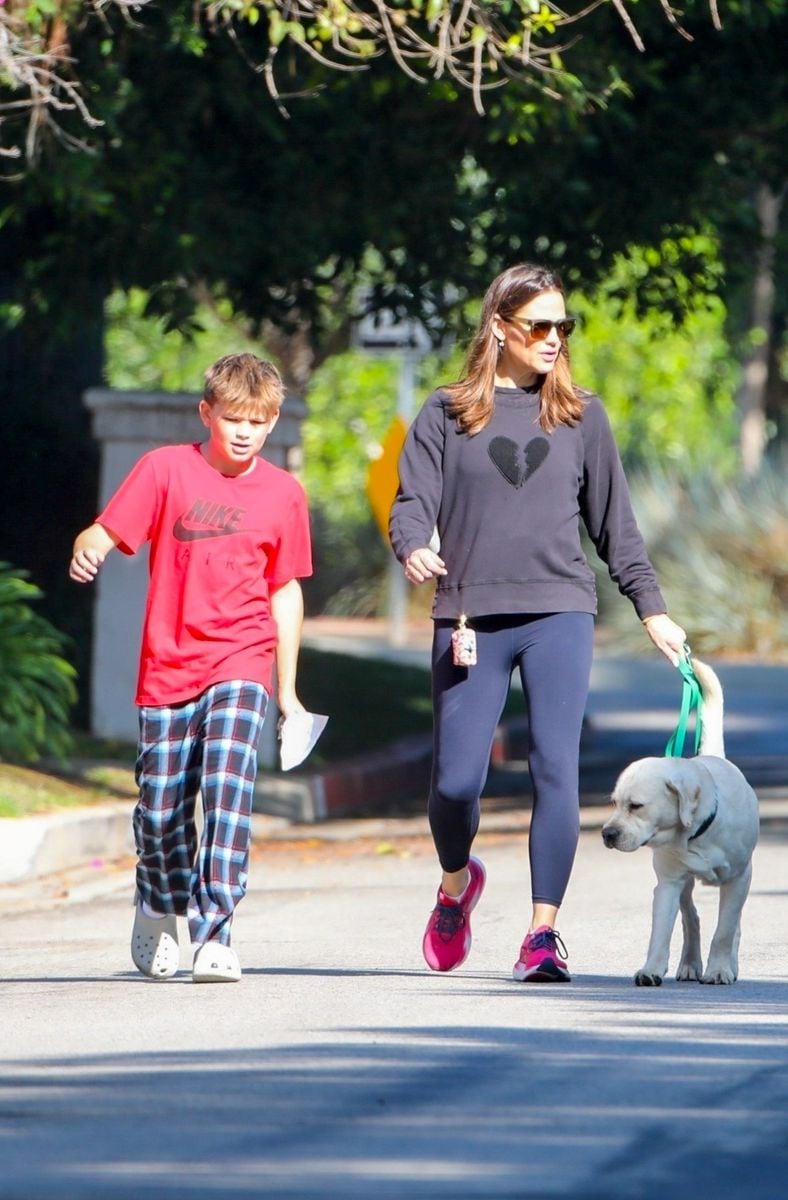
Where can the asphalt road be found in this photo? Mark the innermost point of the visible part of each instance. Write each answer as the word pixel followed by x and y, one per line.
pixel 340 1067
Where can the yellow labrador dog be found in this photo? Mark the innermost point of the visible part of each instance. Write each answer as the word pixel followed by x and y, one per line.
pixel 700 818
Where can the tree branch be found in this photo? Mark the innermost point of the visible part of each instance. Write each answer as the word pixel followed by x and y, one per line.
pixel 480 44
pixel 39 80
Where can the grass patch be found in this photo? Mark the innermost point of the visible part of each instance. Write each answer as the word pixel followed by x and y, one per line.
pixel 25 791
pixel 99 769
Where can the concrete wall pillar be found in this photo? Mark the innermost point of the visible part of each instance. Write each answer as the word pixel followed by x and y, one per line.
pixel 128 425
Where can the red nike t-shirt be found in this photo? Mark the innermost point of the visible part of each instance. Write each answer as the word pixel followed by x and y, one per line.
pixel 218 543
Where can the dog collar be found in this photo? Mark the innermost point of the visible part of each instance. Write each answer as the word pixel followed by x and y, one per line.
pixel 706 823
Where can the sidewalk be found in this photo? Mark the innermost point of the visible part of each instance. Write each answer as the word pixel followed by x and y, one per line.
pixel 632 710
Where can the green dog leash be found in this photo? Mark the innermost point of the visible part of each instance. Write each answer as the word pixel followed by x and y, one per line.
pixel 691 701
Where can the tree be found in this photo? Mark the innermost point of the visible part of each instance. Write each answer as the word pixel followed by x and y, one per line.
pixel 475 44
pixel 38 80
pixel 699 146
pixel 195 184
pixel 198 181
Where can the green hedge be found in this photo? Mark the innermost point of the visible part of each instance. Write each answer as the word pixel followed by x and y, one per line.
pixel 37 683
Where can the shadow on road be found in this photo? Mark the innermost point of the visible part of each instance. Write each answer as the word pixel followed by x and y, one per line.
pixel 659 1093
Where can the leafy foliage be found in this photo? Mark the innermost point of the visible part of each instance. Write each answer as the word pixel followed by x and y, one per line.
pixel 143 351
pixel 444 199
pixel 38 81
pixel 197 182
pixel 669 389
pixel 476 45
pixel 38 684
pixel 720 550
pixel 352 401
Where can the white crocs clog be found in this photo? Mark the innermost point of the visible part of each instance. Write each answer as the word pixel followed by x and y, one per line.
pixel 154 944
pixel 215 963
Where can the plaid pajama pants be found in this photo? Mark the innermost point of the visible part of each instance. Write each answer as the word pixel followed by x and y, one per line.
pixel 206 745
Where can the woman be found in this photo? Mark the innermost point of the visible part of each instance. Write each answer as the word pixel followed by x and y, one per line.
pixel 504 464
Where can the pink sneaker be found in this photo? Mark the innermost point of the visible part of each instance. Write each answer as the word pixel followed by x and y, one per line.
pixel 540 956
pixel 447 938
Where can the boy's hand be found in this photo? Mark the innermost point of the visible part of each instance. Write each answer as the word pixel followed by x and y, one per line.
pixel 91 547
pixel 287 609
pixel 288 704
pixel 85 565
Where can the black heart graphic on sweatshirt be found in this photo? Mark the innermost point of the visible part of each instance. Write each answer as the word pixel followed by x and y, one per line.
pixel 507 457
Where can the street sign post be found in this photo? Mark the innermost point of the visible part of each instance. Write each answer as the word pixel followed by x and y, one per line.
pixel 384 333
pixel 382 477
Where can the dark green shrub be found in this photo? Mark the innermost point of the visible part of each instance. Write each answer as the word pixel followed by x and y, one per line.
pixel 37 684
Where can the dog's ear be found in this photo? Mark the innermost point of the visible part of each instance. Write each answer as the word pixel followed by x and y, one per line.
pixel 687 797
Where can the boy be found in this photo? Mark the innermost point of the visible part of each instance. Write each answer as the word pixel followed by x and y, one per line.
pixel 229 536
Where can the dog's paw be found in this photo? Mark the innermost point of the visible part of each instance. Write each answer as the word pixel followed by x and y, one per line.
pixel 720 974
pixel 689 972
pixel 647 979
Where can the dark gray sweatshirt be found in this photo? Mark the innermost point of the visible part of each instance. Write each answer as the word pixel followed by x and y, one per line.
pixel 507 504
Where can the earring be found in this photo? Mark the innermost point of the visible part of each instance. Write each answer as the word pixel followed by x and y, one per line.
pixel 501 344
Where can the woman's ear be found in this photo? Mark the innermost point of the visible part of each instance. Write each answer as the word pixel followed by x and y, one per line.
pixel 497 328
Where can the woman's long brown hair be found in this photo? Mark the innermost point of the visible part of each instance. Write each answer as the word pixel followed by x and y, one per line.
pixel 472 397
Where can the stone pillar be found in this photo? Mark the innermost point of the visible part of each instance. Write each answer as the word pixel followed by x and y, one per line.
pixel 127 425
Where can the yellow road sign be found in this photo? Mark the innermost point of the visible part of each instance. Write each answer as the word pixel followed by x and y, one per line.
pixel 382 477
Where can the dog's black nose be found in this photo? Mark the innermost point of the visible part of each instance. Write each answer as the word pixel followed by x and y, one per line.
pixel 610 837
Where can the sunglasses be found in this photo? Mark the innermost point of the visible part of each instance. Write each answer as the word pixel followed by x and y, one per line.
pixel 539 330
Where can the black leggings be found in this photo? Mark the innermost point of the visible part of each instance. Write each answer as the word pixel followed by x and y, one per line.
pixel 553 653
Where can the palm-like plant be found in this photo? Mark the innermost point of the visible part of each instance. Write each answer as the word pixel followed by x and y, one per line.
pixel 37 684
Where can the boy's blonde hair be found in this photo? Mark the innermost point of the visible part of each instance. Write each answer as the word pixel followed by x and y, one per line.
pixel 245 384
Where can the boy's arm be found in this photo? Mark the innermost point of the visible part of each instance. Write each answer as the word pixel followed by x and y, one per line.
pixel 287 609
pixel 91 547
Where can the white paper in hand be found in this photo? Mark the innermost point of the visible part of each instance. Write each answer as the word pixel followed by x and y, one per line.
pixel 297 736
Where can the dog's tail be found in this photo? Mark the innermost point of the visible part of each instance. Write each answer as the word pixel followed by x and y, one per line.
pixel 712 740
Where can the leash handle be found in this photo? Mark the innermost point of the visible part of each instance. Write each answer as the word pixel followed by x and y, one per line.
pixel 691 701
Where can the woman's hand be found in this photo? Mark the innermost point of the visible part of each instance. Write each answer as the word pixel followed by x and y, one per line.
pixel 666 635
pixel 424 564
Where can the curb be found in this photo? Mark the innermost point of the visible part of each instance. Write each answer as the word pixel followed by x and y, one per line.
pixel 32 847
pixel 362 784
pixel 370 785
pixel 41 847
pixel 36 846
pixel 379 785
